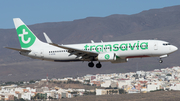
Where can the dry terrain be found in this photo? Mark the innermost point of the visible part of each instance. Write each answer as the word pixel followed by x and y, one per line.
pixel 152 96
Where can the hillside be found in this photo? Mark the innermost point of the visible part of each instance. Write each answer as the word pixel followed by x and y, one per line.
pixel 152 96
pixel 163 24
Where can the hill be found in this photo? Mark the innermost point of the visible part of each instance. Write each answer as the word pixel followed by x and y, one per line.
pixel 163 24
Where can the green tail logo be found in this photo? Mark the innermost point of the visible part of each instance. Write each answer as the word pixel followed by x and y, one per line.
pixel 26 37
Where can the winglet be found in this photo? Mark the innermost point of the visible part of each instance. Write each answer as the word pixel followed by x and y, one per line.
pixel 47 38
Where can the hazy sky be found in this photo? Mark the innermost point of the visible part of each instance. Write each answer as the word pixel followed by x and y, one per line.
pixel 39 11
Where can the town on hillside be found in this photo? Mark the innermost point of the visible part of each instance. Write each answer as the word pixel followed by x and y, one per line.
pixel 100 84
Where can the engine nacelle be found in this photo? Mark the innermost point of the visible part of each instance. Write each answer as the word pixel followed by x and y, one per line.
pixel 106 57
pixel 119 60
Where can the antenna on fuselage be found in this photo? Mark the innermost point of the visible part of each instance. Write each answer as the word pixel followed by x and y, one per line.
pixel 92 41
pixel 101 41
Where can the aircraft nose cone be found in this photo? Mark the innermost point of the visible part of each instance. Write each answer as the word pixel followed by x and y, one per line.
pixel 174 48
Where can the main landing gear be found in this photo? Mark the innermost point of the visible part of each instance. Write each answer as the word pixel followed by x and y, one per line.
pixel 91 64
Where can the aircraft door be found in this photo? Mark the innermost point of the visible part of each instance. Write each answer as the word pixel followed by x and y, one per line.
pixel 155 46
pixel 41 53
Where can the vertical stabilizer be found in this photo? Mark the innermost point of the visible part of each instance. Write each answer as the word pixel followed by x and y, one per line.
pixel 26 37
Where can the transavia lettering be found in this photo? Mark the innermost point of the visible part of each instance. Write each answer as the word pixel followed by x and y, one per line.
pixel 118 47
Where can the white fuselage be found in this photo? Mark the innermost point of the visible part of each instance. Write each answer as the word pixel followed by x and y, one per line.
pixel 122 49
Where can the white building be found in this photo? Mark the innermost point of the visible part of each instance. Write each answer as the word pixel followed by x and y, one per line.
pixel 152 87
pixel 175 87
pixel 106 83
pixel 26 96
pixel 123 82
pixel 100 91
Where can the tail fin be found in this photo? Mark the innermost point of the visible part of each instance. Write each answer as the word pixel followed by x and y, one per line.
pixel 26 37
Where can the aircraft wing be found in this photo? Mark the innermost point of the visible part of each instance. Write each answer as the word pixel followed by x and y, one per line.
pixel 16 49
pixel 84 54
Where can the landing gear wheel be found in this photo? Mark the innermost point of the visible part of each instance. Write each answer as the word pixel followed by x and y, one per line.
pixel 91 64
pixel 160 61
pixel 98 65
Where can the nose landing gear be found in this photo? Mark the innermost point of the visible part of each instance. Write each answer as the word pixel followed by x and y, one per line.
pixel 160 60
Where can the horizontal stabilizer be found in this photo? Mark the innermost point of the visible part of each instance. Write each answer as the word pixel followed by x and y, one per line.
pixel 16 49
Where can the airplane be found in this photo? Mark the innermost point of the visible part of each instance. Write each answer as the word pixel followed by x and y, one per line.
pixel 114 52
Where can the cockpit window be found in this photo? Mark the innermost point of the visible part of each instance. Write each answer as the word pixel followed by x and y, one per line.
pixel 165 44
